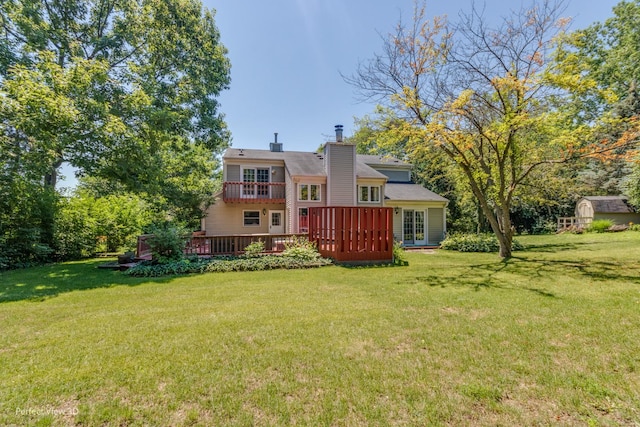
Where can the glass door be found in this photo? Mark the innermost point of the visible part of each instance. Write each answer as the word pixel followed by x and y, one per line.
pixel 408 236
pixel 413 228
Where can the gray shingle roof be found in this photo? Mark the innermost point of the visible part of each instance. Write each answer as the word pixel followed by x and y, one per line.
pixel 299 163
pixel 363 170
pixel 382 160
pixel 609 204
pixel 411 192
pixel 302 163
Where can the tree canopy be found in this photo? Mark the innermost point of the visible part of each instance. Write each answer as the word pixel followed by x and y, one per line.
pixel 489 96
pixel 123 90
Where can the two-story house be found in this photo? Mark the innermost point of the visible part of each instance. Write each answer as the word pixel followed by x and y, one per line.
pixel 271 191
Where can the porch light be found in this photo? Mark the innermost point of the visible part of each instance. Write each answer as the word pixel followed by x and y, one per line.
pixel 264 211
pixel 397 210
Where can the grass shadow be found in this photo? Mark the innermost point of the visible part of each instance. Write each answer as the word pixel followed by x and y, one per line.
pixel 48 281
pixel 518 273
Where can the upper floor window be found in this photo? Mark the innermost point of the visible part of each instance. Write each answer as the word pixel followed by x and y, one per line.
pixel 369 194
pixel 309 192
pixel 255 175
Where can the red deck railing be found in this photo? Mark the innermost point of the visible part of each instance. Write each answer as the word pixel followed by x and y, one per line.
pixel 352 233
pixel 253 192
pixel 224 245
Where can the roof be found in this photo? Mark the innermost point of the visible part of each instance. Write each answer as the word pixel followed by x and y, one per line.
pixel 363 170
pixel 383 161
pixel 609 204
pixel 411 193
pixel 303 163
pixel 299 163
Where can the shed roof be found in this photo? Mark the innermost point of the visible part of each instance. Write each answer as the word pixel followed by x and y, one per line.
pixel 609 204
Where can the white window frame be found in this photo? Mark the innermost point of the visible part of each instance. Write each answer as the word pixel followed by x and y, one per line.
pixel 244 218
pixel 369 193
pixel 254 189
pixel 309 186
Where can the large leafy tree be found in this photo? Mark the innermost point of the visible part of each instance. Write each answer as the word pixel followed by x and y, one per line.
pixel 384 133
pixel 124 90
pixel 485 95
pixel 606 53
pixel 135 74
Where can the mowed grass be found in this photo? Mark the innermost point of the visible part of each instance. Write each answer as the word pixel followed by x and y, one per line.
pixel 551 337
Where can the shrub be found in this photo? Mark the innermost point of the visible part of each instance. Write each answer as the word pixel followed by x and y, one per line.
pixel 223 264
pixel 634 227
pixel 254 249
pixel 268 262
pixel 167 243
pixel 475 243
pixel 545 227
pixel 301 248
pixel 182 266
pixel 599 226
pixel 399 254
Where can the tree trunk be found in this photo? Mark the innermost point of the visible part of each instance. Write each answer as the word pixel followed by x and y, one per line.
pixel 504 233
pixel 51 178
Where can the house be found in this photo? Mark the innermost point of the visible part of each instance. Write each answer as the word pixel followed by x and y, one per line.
pixel 271 191
pixel 614 208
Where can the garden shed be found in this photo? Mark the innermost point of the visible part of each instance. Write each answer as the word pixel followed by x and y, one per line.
pixel 614 208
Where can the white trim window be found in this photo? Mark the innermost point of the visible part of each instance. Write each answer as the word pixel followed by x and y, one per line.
pixel 252 178
pixel 369 194
pixel 309 192
pixel 251 218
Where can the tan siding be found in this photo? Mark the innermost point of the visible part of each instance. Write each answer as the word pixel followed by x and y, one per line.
pixel 619 218
pixel 225 219
pixel 584 209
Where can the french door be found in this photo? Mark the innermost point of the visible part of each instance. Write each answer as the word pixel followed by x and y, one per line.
pixel 413 228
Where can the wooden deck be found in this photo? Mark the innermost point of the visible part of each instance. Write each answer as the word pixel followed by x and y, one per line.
pixel 225 245
pixel 345 234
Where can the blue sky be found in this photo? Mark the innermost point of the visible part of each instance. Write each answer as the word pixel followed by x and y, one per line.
pixel 287 55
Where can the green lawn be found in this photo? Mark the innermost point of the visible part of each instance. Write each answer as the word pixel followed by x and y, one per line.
pixel 551 337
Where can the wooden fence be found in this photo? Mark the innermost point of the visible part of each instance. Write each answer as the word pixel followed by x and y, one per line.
pixel 573 221
pixel 352 233
pixel 224 245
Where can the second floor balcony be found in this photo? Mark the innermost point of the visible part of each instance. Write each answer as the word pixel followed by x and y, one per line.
pixel 253 192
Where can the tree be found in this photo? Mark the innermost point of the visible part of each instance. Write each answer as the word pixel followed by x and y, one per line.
pixel 607 54
pixel 486 96
pixel 136 73
pixel 124 90
pixel 385 134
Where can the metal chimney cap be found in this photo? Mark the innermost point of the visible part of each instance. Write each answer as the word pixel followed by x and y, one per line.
pixel 338 133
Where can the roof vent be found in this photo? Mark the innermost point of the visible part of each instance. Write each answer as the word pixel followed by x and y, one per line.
pixel 275 146
pixel 338 133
